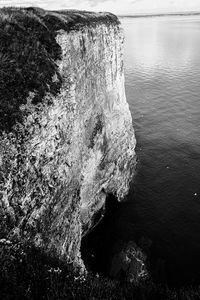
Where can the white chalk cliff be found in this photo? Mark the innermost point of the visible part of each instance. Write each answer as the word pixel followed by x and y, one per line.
pixel 69 142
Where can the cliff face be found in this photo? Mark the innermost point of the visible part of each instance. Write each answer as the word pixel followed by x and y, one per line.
pixel 66 131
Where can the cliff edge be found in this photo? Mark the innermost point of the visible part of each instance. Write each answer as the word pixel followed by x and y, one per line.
pixel 66 139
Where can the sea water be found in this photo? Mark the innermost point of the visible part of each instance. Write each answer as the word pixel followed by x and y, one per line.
pixel 162 80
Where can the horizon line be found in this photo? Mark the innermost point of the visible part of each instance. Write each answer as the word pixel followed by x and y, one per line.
pixel 160 14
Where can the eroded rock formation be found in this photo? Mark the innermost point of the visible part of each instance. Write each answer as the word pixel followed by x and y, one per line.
pixel 66 131
pixel 128 264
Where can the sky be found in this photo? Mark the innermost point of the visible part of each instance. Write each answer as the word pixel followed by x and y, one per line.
pixel 119 7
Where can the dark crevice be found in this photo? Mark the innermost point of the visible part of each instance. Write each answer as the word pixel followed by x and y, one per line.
pixel 97 246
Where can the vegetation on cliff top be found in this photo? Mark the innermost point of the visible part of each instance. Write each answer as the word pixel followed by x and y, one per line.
pixel 29 53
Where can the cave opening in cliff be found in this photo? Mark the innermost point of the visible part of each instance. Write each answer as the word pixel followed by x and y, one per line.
pixel 102 247
pixel 97 245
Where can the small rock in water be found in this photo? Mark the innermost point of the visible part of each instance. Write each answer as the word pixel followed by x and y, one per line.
pixel 128 264
pixel 195 194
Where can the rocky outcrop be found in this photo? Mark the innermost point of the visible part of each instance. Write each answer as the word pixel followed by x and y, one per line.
pixel 66 130
pixel 129 264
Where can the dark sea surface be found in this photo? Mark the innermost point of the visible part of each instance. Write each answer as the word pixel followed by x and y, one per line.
pixel 162 78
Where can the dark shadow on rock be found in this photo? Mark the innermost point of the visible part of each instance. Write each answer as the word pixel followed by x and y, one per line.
pixel 96 246
pixel 104 251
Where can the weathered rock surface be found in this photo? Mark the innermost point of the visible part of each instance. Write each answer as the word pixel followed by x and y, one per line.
pixel 128 264
pixel 66 130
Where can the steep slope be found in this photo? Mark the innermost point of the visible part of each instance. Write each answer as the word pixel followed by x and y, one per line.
pixel 66 131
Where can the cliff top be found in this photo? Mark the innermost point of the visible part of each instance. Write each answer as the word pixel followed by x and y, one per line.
pixel 56 20
pixel 29 51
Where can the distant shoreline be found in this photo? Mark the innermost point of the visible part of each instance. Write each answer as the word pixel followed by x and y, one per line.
pixel 160 15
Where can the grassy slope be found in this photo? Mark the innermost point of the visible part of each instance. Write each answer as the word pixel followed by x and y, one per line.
pixel 26 274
